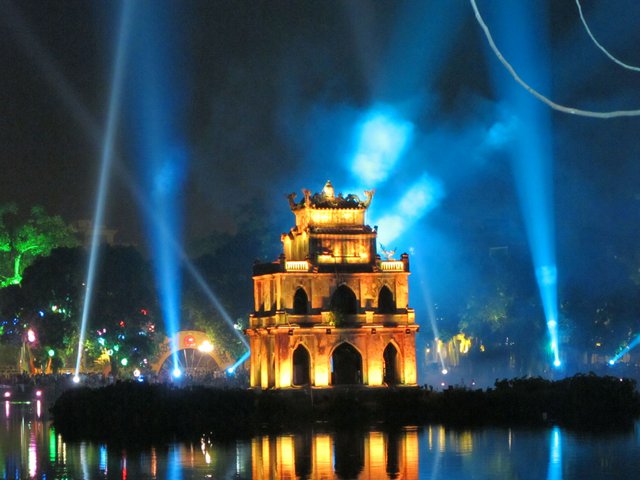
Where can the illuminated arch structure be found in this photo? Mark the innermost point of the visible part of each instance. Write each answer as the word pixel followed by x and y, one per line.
pixel 329 311
pixel 196 354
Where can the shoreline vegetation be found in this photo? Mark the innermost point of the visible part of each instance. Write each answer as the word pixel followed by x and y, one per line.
pixel 138 413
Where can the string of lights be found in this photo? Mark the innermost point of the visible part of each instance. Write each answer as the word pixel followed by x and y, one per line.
pixel 535 93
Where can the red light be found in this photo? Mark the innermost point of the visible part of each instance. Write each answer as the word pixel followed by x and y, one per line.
pixel 121 323
pixel 7 394
pixel 144 311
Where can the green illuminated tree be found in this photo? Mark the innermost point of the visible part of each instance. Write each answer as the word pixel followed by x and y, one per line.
pixel 21 242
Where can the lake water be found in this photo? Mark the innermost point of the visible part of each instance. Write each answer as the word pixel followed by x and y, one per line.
pixel 29 448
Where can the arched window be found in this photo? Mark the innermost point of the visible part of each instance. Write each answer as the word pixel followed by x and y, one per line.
pixel 391 365
pixel 300 302
pixel 386 303
pixel 344 301
pixel 301 366
pixel 346 366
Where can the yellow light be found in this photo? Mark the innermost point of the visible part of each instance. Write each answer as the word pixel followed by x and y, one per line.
pixel 409 373
pixel 297 266
pixel 323 457
pixel 391 266
pixel 322 376
pixel 286 455
pixel 377 453
pixel 375 374
pixel 285 374
pixel 205 347
pixel 465 443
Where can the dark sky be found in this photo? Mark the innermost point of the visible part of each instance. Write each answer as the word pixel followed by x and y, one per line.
pixel 265 95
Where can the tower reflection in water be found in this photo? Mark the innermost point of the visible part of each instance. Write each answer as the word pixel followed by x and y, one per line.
pixel 347 454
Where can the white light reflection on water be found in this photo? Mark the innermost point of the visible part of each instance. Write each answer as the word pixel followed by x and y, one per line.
pixel 554 472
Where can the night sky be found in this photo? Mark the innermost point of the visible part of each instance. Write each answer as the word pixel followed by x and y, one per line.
pixel 264 98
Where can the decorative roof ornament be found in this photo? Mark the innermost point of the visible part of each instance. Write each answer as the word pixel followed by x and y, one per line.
pixel 328 199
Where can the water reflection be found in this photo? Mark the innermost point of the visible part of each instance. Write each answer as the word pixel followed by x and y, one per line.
pixel 30 449
pixel 554 471
pixel 348 454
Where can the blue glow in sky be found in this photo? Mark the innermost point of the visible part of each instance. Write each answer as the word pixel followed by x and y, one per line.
pixel 381 139
pixel 421 197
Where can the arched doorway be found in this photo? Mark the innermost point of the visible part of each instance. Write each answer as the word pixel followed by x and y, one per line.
pixel 191 362
pixel 391 365
pixel 346 366
pixel 344 301
pixel 300 302
pixel 386 303
pixel 301 366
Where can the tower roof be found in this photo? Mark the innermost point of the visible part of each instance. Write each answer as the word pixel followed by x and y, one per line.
pixel 327 199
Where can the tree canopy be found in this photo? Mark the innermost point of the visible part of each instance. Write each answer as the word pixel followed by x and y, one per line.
pixel 22 241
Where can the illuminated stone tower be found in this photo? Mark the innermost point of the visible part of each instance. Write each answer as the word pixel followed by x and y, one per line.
pixel 329 311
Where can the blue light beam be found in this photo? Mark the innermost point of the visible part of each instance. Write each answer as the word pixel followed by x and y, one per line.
pixel 531 151
pixel 156 110
pixel 232 369
pixel 105 170
pixel 634 343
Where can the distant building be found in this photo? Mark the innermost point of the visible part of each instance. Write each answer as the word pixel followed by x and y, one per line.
pixel 329 311
pixel 84 231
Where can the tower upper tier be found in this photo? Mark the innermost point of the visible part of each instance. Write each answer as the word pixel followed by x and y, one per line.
pixel 330 229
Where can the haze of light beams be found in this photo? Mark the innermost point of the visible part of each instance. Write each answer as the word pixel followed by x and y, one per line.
pixel 381 139
pixel 531 150
pixel 534 92
pixel 159 225
pixel 61 86
pixel 424 195
pixel 159 151
pixel 634 343
pixel 105 169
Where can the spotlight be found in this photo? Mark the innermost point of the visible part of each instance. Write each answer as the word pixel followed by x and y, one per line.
pixel 206 347
pixel 557 363
pixel 445 371
pixel 176 372
pixel 76 379
pixel 612 362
